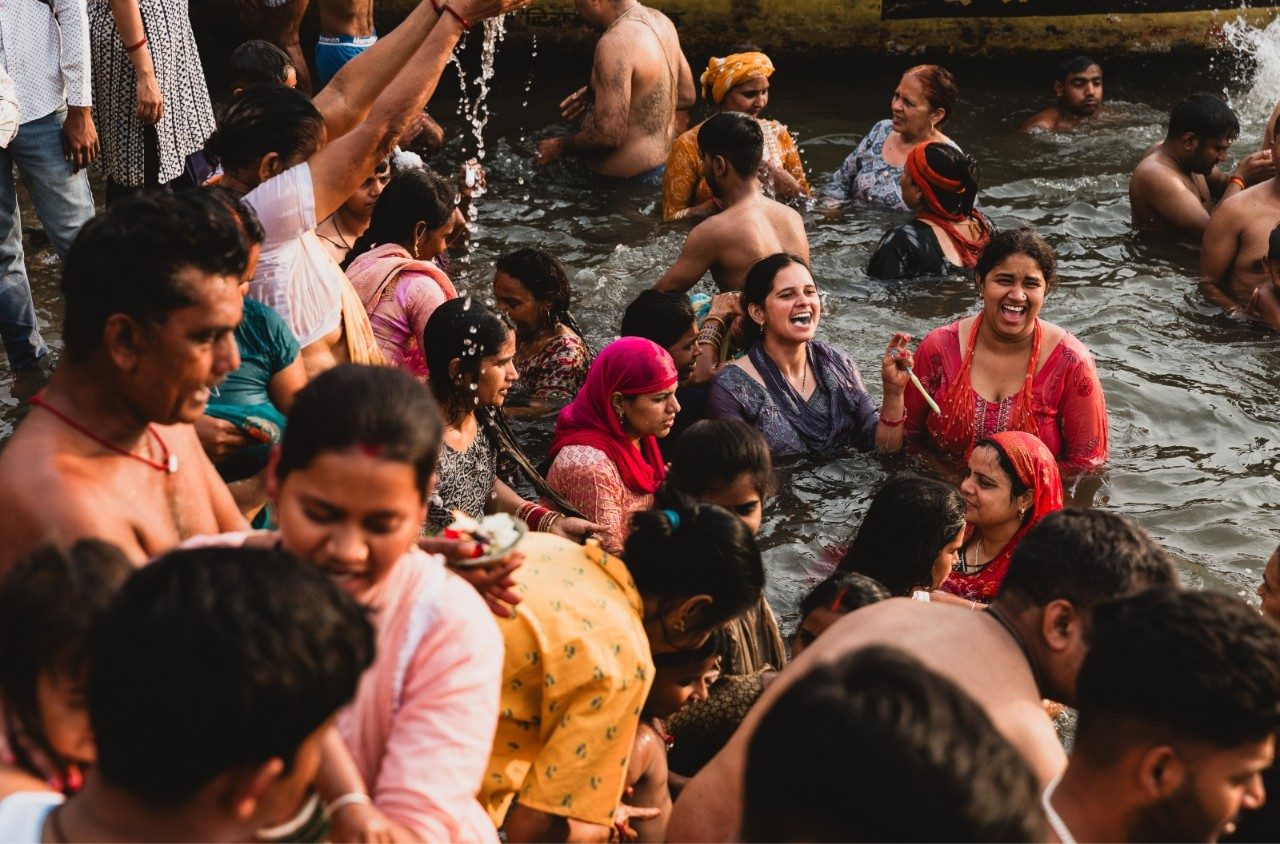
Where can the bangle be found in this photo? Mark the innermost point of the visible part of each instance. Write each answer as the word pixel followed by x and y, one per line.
pixel 895 423
pixel 346 800
pixel 525 509
pixel 1239 181
pixel 138 46
pixel 709 335
pixel 441 8
pixel 716 318
pixel 532 516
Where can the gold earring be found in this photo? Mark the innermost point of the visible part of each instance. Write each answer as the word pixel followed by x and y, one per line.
pixel 415 249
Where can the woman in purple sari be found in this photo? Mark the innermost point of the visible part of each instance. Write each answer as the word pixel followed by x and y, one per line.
pixel 805 396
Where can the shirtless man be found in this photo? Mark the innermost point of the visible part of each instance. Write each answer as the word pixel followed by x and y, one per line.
pixel 1178 181
pixel 640 87
pixel 151 287
pixel 1078 88
pixel 1233 257
pixel 1026 647
pixel 751 225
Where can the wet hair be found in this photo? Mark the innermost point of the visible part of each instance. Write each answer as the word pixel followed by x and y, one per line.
pixel 705 550
pixel 713 453
pixel 48 603
pixel 215 659
pixel 951 163
pixel 663 316
pixel 128 259
pixel 757 284
pixel 544 277
pixel 1016 486
pixel 1072 65
pixel 1207 116
pixel 735 137
pixel 1020 241
pixel 714 646
pixel 413 196
pixel 1084 557
pixel 373 408
pixel 1168 665
pixel 880 726
pixel 258 62
pixel 469 331
pixel 243 213
pixel 266 119
pixel 940 88
pixel 842 593
pixel 910 520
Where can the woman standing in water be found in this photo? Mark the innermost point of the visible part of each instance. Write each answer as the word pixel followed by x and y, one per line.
pixel 470 353
pixel 530 286
pixel 939 183
pixel 872 173
pixel 1012 483
pixel 805 396
pixel 391 265
pixel 1007 370
pixel 604 455
pixel 740 83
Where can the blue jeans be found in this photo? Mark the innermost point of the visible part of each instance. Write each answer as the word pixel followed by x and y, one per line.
pixel 63 203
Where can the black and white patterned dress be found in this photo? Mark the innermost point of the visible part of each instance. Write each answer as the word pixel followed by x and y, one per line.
pixel 187 120
pixel 464 481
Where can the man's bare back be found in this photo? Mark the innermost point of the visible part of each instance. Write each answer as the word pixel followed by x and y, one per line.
pixel 969 648
pixel 346 17
pixel 728 243
pixel 1162 197
pixel 1236 241
pixel 63 486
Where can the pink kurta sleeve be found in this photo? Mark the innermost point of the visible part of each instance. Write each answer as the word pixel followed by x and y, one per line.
pixel 930 368
pixel 1082 413
pixel 588 480
pixel 442 735
pixel 418 296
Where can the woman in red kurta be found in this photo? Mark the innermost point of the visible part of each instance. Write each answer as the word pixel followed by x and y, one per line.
pixel 1007 370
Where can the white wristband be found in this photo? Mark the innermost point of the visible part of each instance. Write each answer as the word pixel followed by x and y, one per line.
pixel 346 800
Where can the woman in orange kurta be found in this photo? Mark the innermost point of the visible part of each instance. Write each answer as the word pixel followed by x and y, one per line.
pixel 739 82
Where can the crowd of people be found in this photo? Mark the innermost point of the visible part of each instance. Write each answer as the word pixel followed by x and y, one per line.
pixel 235 603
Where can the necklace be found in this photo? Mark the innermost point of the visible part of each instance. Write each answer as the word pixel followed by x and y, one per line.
pixel 1056 823
pixel 345 244
pixel 619 18
pixel 168 461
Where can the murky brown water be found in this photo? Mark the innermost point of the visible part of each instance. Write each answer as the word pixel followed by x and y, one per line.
pixel 1192 395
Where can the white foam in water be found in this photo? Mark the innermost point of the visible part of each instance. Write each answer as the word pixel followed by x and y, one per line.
pixel 1259 94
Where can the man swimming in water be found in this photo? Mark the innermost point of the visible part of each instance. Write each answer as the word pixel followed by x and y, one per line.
pixel 1234 262
pixel 1178 181
pixel 750 227
pixel 641 88
pixel 1078 88
pixel 1027 646
pixel 152 296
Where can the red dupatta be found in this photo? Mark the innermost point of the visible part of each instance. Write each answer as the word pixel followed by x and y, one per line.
pixel 930 181
pixel 632 366
pixel 955 429
pixel 1037 469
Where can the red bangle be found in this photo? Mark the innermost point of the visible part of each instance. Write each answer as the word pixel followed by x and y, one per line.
pixel 893 424
pixel 441 8
pixel 137 46
pixel 1239 181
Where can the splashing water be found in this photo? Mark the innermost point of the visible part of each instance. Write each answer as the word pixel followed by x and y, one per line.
pixel 476 111
pixel 1258 77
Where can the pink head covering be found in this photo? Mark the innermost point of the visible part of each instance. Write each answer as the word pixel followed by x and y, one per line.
pixel 632 366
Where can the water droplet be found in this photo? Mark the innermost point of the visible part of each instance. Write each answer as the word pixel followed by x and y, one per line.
pixel 472 329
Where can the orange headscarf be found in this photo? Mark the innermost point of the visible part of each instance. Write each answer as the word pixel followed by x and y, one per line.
pixel 723 74
pixel 930 182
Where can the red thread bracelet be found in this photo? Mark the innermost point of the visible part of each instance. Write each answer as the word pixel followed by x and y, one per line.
pixel 137 46
pixel 893 424
pixel 441 8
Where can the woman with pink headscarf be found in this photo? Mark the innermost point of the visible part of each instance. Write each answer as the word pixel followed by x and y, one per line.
pixel 605 458
pixel 738 82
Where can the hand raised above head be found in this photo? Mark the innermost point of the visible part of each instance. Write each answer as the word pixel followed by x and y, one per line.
pixel 478 10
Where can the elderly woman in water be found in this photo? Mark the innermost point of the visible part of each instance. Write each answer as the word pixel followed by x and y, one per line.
pixel 1005 369
pixel 805 396
pixel 921 103
pixel 738 82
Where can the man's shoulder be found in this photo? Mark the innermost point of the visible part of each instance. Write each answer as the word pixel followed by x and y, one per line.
pixel 1046 120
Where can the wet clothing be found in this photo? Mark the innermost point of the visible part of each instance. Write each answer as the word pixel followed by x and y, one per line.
pixel 553 376
pixel 23 815
pixel 910 250
pixel 683 185
pixel 334 51
pixel 464 481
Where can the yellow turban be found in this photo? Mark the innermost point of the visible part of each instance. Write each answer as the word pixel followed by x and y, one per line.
pixel 723 74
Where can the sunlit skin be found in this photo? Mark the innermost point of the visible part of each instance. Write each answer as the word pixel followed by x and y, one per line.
pixel 64 717
pixel 351 513
pixel 988 501
pixel 742 498
pixel 524 309
pixel 497 374
pixel 1217 785
pixel 1269 588
pixel 360 204
pixel 1210 153
pixel 913 117
pixel 685 352
pixel 1012 294
pixel 648 414
pixel 750 97
pixel 793 307
pixel 675 688
pixel 1081 92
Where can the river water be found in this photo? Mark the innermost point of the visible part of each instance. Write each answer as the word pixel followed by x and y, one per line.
pixel 1191 393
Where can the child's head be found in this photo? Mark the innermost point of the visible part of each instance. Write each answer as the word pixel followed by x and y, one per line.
pixel 724 462
pixel 259 62
pixel 684 676
pixel 352 476
pixel 48 603
pixel 840 594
